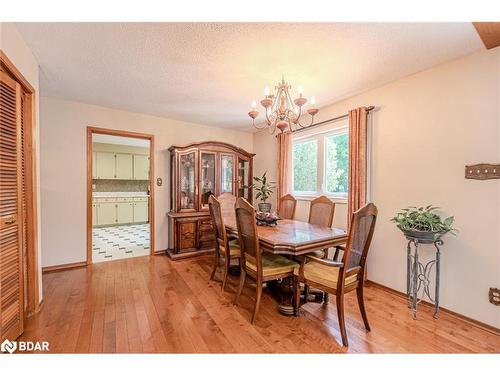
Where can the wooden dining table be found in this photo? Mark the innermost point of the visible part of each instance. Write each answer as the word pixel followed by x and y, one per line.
pixel 290 237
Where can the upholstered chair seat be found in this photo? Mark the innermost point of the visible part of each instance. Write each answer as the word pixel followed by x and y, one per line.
pixel 272 264
pixel 324 275
pixel 234 249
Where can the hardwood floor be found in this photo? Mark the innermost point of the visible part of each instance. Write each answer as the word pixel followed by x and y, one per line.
pixel 151 304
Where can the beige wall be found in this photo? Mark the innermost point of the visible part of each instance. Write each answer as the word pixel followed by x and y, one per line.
pixel 63 147
pixel 428 126
pixel 14 47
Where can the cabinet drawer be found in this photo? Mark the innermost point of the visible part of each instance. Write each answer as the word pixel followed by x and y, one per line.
pixel 141 199
pixel 124 199
pixel 186 234
pixel 110 199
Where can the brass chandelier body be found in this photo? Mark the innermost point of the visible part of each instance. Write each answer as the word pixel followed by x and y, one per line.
pixel 281 110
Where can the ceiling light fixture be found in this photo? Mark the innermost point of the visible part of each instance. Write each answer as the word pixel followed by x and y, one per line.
pixel 281 111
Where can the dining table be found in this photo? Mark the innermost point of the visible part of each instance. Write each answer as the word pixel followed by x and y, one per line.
pixel 291 238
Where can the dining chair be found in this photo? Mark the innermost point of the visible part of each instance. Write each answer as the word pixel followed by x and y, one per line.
pixel 321 213
pixel 339 278
pixel 227 202
pixel 224 248
pixel 260 266
pixel 287 206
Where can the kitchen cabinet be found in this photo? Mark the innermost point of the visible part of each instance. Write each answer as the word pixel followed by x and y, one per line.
pixel 124 167
pixel 94 214
pixel 119 210
pixel 120 166
pixel 141 167
pixel 124 212
pixel 141 212
pixel 106 168
pixel 106 213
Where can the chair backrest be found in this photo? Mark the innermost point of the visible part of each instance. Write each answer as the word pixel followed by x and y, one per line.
pixel 321 211
pixel 217 220
pixel 247 232
pixel 360 236
pixel 287 206
pixel 227 202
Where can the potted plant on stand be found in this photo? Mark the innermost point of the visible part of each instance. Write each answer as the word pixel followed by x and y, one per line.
pixel 423 223
pixel 264 189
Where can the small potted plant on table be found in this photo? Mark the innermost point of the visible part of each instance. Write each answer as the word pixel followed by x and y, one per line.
pixel 264 189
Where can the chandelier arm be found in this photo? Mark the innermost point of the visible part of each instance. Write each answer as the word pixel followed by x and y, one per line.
pixel 267 117
pixel 259 128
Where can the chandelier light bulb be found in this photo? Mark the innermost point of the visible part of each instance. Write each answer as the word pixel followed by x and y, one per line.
pixel 266 91
pixel 313 101
pixel 254 105
pixel 300 90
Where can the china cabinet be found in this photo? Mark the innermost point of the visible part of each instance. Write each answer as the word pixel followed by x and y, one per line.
pixel 199 170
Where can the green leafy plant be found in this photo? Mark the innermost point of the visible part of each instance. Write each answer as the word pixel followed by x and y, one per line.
pixel 423 219
pixel 263 187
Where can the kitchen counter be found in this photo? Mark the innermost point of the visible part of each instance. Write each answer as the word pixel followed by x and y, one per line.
pixel 118 194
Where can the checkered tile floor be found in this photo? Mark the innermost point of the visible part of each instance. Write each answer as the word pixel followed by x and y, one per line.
pixel 124 241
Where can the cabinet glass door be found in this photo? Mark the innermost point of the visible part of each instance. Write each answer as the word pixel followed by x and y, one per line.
pixel 207 181
pixel 243 178
pixel 227 172
pixel 187 181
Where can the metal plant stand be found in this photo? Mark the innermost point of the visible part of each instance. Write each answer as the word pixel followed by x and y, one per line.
pixel 418 275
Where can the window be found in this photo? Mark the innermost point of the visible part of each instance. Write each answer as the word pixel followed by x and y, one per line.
pixel 305 166
pixel 320 164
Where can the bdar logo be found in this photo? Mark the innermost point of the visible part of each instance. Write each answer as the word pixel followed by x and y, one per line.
pixel 8 346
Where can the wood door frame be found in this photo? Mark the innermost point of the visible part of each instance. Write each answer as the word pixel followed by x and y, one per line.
pixel 120 133
pixel 31 261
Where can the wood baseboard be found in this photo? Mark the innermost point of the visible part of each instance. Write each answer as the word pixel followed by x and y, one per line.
pixel 174 256
pixel 61 267
pixel 477 323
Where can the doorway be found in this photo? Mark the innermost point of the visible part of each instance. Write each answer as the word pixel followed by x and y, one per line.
pixel 120 195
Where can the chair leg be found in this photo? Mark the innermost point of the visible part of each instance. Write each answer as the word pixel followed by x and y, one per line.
pixel 306 293
pixel 257 301
pixel 361 303
pixel 296 296
pixel 340 313
pixel 216 263
pixel 240 287
pixel 227 262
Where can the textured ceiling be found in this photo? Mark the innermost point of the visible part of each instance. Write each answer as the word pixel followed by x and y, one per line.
pixel 209 73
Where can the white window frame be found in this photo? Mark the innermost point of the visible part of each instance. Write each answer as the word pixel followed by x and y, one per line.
pixel 320 138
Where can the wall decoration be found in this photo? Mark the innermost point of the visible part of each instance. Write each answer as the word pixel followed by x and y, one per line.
pixel 482 171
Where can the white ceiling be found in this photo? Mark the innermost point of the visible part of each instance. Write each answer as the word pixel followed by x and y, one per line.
pixel 209 73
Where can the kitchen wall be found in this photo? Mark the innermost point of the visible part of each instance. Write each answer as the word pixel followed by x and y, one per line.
pixel 63 153
pixel 14 47
pixel 426 128
pixel 120 185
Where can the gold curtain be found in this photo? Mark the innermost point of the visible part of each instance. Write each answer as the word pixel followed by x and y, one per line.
pixel 284 165
pixel 357 160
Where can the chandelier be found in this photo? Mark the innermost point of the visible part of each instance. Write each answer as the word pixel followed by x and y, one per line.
pixel 281 111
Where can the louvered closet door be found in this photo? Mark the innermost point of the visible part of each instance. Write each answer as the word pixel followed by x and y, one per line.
pixel 11 217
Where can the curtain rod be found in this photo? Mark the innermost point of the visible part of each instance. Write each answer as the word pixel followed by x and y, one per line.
pixel 368 110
